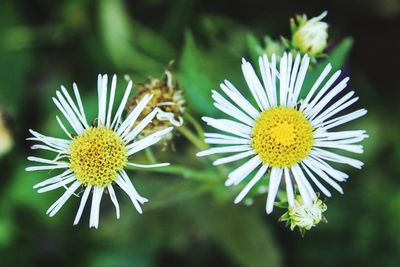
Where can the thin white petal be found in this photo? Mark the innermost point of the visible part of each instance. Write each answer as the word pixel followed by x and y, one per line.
pixel 239 99
pixel 274 182
pixel 102 100
pixel 82 204
pixel 158 165
pixel 61 201
pixel 62 183
pixel 239 174
pixel 260 173
pixel 54 179
pixel 233 157
pixel 317 83
pixel 132 117
pixel 111 101
pixel 95 208
pixel 224 149
pixel 121 107
pixel 114 200
pixel 289 187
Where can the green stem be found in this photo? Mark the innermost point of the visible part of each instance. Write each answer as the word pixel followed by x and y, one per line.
pixel 187 116
pixel 150 155
pixel 186 172
pixel 192 137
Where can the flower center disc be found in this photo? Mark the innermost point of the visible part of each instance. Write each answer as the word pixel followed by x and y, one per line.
pixel 282 137
pixel 97 155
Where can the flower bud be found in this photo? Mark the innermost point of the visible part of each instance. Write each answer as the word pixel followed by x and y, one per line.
pixel 303 216
pixel 310 36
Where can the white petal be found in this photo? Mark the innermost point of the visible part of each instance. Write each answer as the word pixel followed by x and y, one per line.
pixel 289 187
pixel 233 157
pixel 61 201
pixel 324 176
pixel 158 165
pixel 81 117
pixel 254 85
pixel 102 100
pixel 239 99
pixel 54 179
pixel 327 98
pixel 274 182
pixel 239 174
pixel 297 174
pixel 114 200
pixel 130 135
pixel 317 83
pixel 225 106
pixel 59 184
pixel 260 173
pixel 111 102
pixel 95 208
pixel 324 154
pixel 121 107
pixel 132 117
pixel 224 149
pixel 300 79
pixel 343 119
pixel 147 141
pixel 82 204
pixel 316 182
pixel 229 126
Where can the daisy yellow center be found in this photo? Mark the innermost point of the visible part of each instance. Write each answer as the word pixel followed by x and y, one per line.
pixel 97 155
pixel 282 137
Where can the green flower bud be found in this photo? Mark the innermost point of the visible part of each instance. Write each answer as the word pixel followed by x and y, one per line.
pixel 310 36
pixel 304 217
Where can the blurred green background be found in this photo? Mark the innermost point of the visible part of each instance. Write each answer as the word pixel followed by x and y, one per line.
pixel 44 44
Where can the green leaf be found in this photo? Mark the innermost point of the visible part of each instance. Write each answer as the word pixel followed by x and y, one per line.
pixel 254 47
pixel 130 45
pixel 241 232
pixel 194 78
pixel 337 58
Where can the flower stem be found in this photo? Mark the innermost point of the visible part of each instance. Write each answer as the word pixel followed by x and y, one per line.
pixel 150 155
pixel 187 116
pixel 192 137
pixel 186 172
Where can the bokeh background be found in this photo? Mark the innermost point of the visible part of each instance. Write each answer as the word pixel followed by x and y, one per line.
pixel 190 222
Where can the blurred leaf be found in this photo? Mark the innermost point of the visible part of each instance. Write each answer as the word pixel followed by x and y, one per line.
pixel 194 78
pixel 202 71
pixel 337 57
pixel 131 45
pixel 254 47
pixel 242 234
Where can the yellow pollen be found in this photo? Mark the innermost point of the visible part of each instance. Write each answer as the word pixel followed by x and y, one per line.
pixel 282 137
pixel 97 155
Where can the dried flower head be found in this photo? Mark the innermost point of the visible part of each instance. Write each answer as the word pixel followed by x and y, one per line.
pixel 167 97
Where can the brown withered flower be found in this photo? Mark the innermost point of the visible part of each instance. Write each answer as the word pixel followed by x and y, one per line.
pixel 167 97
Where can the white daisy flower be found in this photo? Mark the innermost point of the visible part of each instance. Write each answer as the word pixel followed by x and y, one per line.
pixel 93 159
pixel 286 136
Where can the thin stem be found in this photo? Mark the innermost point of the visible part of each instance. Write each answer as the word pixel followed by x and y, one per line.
pixel 150 155
pixel 187 116
pixel 192 137
pixel 186 172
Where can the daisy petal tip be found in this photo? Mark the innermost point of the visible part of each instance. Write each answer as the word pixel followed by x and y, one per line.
pixel 269 209
pixel 237 200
